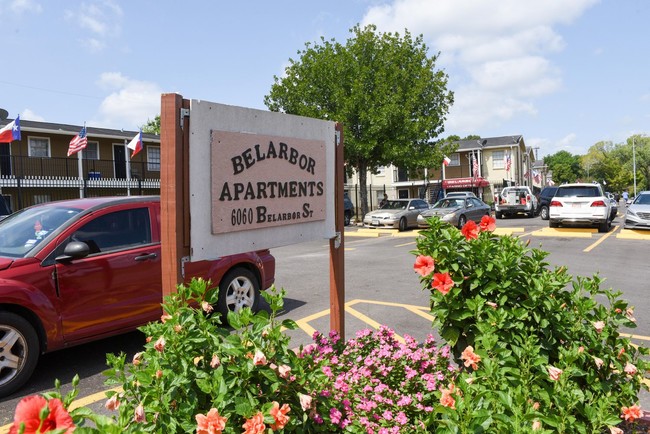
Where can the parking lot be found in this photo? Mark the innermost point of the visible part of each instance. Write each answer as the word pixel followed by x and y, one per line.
pixel 382 289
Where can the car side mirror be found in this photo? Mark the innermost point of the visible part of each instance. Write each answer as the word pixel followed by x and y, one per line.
pixel 74 250
pixel 411 208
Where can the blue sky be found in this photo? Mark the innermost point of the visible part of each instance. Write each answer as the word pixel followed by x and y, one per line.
pixel 565 74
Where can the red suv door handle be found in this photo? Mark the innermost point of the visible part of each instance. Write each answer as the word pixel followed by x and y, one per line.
pixel 146 257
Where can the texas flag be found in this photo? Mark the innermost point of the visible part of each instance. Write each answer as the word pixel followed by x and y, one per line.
pixel 136 144
pixel 11 131
pixel 446 161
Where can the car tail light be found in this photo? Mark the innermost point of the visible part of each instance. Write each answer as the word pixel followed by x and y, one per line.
pixel 523 200
pixel 598 203
pixel 555 203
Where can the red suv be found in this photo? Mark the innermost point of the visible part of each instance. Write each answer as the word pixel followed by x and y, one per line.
pixel 81 270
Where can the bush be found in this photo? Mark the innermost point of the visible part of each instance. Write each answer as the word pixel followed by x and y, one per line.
pixel 546 351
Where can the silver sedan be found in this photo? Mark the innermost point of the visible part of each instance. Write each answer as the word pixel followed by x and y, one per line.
pixel 637 215
pixel 455 211
pixel 399 214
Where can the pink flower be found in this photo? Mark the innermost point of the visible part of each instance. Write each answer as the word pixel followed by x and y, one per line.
pixel 284 371
pixel 488 224
pixel 215 362
pixel 442 282
pixel 159 374
pixel 491 304
pixel 599 326
pixel 259 359
pixel 554 372
pixel 630 369
pixel 112 403
pixel 305 401
pixel 28 412
pixel 137 359
pixel 212 423
pixel 470 230
pixel 599 362
pixel 160 344
pixel 424 265
pixel 631 413
pixel 537 425
pixel 207 307
pixel 280 415
pixel 470 357
pixel 165 317
pixel 139 415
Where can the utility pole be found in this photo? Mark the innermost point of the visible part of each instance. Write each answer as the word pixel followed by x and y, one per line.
pixel 634 164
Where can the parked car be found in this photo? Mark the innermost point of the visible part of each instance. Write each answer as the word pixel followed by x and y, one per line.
pixel 580 204
pixel 637 215
pixel 348 209
pixel 456 211
pixel 614 207
pixel 398 213
pixel 515 200
pixel 544 200
pixel 460 194
pixel 80 270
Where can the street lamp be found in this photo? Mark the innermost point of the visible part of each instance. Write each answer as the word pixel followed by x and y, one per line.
pixel 634 165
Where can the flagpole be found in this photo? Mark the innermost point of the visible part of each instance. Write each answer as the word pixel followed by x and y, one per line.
pixel 128 170
pixel 81 172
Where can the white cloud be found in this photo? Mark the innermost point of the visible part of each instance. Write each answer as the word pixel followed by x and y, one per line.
pixel 102 18
pixel 22 6
pixel 28 114
pixel 496 53
pixel 130 102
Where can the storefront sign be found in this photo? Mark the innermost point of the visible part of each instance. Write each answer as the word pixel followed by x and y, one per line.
pixel 464 183
pixel 264 181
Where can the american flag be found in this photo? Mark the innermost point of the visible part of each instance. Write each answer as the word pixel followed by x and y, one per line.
pixel 508 162
pixel 78 142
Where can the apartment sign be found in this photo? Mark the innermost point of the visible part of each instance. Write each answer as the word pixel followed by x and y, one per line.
pixel 262 181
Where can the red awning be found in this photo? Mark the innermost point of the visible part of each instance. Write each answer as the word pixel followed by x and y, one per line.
pixel 464 183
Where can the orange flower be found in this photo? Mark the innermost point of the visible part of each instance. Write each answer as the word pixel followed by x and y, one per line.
pixel 537 425
pixel 212 423
pixel 442 282
pixel 446 400
pixel 470 357
pixel 424 265
pixel 165 317
pixel 28 413
pixel 631 413
pixel 160 344
pixel 488 224
pixel 280 415
pixel 112 403
pixel 470 230
pixel 254 425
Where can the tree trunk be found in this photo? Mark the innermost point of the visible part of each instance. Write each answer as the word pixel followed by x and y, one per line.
pixel 363 179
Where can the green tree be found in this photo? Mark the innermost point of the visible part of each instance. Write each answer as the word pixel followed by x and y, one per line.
pixel 603 164
pixel 565 166
pixel 152 126
pixel 641 159
pixel 383 88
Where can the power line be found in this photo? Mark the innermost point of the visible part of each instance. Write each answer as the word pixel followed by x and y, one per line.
pixel 60 92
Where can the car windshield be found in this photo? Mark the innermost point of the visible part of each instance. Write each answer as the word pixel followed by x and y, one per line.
pixel 449 203
pixel 642 199
pixel 586 191
pixel 395 204
pixel 24 230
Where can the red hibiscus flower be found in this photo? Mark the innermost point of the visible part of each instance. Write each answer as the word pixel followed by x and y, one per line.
pixel 280 415
pixel 631 413
pixel 488 224
pixel 442 282
pixel 470 358
pixel 470 230
pixel 212 423
pixel 28 413
pixel 255 425
pixel 424 265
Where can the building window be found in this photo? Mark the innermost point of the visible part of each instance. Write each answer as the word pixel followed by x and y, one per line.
pixel 38 147
pixel 153 158
pixel 91 152
pixel 498 160
pixel 402 194
pixel 455 159
pixel 381 171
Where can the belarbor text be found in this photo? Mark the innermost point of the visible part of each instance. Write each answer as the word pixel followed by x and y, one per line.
pixel 285 152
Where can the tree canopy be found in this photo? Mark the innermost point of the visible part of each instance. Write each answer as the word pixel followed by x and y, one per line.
pixel 152 126
pixel 385 90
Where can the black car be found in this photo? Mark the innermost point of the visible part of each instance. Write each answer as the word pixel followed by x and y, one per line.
pixel 348 209
pixel 544 200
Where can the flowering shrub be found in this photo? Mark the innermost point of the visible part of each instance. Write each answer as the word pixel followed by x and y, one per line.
pixel 538 349
pixel 378 384
pixel 195 375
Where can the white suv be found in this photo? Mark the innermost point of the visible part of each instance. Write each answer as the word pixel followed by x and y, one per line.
pixel 580 204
